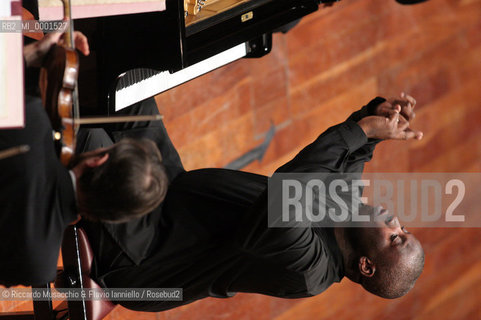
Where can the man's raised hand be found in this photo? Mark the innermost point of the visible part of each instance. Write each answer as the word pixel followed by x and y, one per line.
pixel 404 107
pixel 393 126
pixel 406 102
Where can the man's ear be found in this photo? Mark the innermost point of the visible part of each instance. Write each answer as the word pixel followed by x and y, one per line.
pixel 366 267
pixel 96 161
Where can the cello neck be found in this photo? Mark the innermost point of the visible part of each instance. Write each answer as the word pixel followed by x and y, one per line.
pixel 70 44
pixel 67 13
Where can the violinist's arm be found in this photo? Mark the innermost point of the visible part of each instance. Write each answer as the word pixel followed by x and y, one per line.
pixel 35 52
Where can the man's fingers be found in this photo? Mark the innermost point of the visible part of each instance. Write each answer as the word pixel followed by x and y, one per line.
pixel 402 124
pixel 383 109
pixel 407 112
pixel 418 135
pixel 51 38
pixel 393 118
pixel 406 106
pixel 81 43
pixel 409 134
pixel 41 48
pixel 411 100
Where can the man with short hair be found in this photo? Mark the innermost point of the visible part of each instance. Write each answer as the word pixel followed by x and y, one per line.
pixel 121 182
pixel 211 238
pixel 385 259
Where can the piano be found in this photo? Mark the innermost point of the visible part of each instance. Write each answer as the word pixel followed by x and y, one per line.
pixel 137 56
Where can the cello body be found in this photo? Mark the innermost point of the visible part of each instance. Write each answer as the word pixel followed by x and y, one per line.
pixel 58 80
pixel 58 87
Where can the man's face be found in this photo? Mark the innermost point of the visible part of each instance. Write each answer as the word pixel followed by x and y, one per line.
pixel 386 238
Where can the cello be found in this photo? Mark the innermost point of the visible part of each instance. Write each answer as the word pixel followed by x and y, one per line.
pixel 58 86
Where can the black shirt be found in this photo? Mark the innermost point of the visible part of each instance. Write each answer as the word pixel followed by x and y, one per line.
pixel 212 234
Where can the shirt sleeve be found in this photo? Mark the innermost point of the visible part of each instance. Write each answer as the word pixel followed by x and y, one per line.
pixel 341 148
pixel 330 151
pixel 356 160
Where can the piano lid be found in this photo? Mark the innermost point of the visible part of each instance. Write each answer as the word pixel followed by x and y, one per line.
pixel 52 9
pixel 131 44
pixel 230 22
